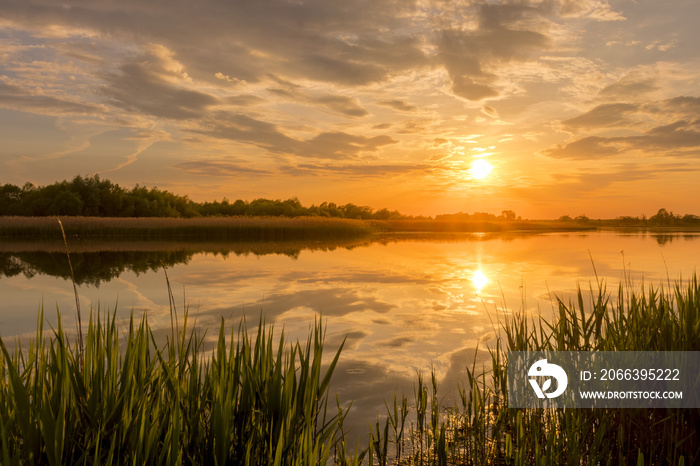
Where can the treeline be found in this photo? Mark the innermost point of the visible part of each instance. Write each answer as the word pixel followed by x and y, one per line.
pixel 507 215
pixel 92 196
pixel 663 218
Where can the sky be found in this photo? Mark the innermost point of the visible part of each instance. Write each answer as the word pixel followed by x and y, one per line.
pixel 546 108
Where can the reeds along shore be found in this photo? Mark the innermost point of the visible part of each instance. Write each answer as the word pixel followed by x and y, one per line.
pixel 258 400
pixel 211 228
pixel 253 228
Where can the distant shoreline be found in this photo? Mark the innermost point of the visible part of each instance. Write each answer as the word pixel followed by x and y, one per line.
pixel 258 228
pixel 290 228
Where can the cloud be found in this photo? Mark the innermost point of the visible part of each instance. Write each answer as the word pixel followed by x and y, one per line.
pixel 340 145
pixel 582 185
pixel 242 128
pixel 336 145
pixel 504 35
pixel 17 98
pixel 595 9
pixel 400 105
pixel 625 89
pixel 219 168
pixel 680 139
pixel 244 100
pixel 396 342
pixel 347 106
pixel 667 127
pixel 237 39
pixel 353 171
pixel 490 111
pixel 588 148
pixel 337 301
pixel 608 115
pixel 150 85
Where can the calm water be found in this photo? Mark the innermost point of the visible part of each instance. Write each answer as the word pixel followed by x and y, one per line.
pixel 404 303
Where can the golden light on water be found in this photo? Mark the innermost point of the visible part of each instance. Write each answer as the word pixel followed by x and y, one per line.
pixel 480 169
pixel 479 279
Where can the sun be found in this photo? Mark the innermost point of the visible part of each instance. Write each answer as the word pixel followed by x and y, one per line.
pixel 480 169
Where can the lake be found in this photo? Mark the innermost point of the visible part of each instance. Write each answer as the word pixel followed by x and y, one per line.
pixel 404 303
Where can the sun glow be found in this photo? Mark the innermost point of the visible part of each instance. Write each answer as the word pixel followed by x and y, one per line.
pixel 480 169
pixel 479 280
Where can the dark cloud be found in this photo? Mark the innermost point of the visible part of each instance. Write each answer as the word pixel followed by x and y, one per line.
pixel 628 89
pixel 346 106
pixel 218 168
pixel 588 148
pixel 339 145
pixel 146 86
pixel 685 107
pixel 607 115
pixel 465 87
pixel 353 171
pixel 681 139
pixel 323 40
pixel 397 104
pixel 679 136
pixel 674 137
pixel 504 35
pixel 490 111
pixel 352 73
pixel 327 145
pixel 242 128
pixel 15 97
pixel 244 100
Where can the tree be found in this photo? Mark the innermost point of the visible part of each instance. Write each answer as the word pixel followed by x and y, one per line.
pixel 662 218
pixel 67 203
pixel 508 215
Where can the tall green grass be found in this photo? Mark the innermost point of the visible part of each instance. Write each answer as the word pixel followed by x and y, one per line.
pixel 254 400
pixel 480 429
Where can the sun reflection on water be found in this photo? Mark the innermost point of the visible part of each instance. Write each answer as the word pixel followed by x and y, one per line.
pixel 480 280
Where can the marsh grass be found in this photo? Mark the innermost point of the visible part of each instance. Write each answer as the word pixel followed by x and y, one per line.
pixel 210 228
pixel 256 399
pixel 480 429
pixel 255 228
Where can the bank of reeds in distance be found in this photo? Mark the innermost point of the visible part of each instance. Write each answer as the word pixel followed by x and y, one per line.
pixel 258 400
pixel 209 228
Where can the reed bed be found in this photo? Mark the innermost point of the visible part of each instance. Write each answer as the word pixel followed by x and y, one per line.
pixel 212 228
pixel 257 400
pixel 473 226
pixel 480 429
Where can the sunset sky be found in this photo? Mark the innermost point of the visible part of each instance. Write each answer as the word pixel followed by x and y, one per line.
pixel 546 108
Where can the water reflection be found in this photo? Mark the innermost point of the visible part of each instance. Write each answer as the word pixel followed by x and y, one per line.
pixel 405 302
pixel 479 280
pixel 664 238
pixel 95 263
